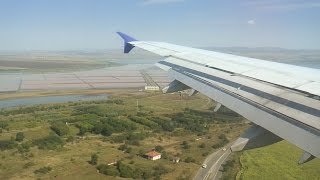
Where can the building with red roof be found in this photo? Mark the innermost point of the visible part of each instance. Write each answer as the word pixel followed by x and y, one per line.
pixel 153 155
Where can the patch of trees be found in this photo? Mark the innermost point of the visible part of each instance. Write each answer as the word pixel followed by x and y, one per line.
pixel 115 101
pixel 194 121
pixel 105 126
pixel 165 123
pixel 132 171
pixel 84 127
pixel 108 170
pixel 118 125
pixel 131 138
pixel 126 171
pixel 89 109
pixel 50 142
pixel 144 121
pixel 223 140
pixel 101 110
pixel 60 128
pixel 190 160
pixel 4 125
pixel 125 148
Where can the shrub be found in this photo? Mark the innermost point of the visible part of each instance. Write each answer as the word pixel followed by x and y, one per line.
pixel 108 170
pixel 185 145
pixel 7 144
pixel 70 139
pixel 24 148
pixel 60 128
pixel 19 136
pixel 160 170
pixel 125 170
pixel 43 170
pixel 50 142
pixel 94 159
pixel 3 124
pixel 202 145
pixel 159 148
pixel 125 148
pixel 28 164
pixel 189 160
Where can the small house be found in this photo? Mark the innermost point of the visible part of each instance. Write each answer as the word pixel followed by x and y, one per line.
pixel 153 155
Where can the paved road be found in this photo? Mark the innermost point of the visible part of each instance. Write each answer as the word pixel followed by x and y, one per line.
pixel 213 162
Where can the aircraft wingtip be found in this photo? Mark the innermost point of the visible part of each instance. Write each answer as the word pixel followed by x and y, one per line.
pixel 127 39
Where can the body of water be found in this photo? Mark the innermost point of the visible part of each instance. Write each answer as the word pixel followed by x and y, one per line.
pixel 50 99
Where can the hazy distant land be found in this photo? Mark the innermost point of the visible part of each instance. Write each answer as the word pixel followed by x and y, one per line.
pixel 51 61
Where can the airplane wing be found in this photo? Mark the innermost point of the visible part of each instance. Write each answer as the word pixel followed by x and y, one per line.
pixel 279 98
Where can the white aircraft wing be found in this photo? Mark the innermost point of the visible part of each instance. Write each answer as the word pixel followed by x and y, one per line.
pixel 280 98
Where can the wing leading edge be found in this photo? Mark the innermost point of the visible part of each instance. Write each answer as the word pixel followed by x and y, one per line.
pixel 278 97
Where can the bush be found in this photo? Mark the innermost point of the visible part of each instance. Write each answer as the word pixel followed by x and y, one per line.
pixel 27 165
pixel 19 136
pixel 202 145
pixel 125 170
pixel 3 125
pixel 108 170
pixel 24 148
pixel 50 142
pixel 159 148
pixel 7 144
pixel 205 154
pixel 185 145
pixel 160 170
pixel 125 148
pixel 94 159
pixel 70 139
pixel 189 160
pixel 60 128
pixel 43 170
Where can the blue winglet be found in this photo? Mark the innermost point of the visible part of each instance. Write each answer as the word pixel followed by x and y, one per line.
pixel 127 47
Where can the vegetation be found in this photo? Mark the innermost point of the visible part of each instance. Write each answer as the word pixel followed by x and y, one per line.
pixel 274 162
pixel 7 144
pixel 43 170
pixel 60 128
pixel 68 135
pixel 108 170
pixel 19 136
pixel 50 142
pixel 222 141
pixel 94 159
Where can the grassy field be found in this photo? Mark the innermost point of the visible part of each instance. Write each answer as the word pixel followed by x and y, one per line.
pixel 278 161
pixel 70 159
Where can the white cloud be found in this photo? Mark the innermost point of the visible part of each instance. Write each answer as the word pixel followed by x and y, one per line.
pixel 149 2
pixel 251 22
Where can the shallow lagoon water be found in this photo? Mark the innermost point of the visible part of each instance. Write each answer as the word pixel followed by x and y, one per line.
pixel 50 99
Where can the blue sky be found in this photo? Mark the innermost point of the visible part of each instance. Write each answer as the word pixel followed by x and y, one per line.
pixel 91 24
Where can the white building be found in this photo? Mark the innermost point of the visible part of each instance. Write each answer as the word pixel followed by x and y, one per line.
pixel 153 155
pixel 151 88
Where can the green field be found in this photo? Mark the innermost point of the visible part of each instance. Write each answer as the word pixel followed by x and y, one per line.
pixel 115 130
pixel 278 161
